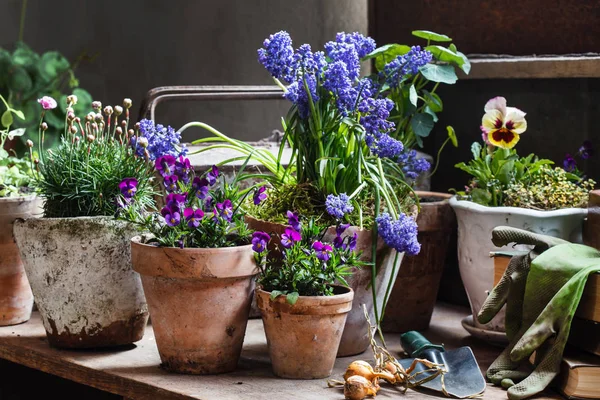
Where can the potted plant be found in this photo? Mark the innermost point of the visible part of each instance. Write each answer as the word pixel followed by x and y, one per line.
pixel 506 189
pixel 77 256
pixel 17 200
pixel 342 154
pixel 302 308
pixel 197 267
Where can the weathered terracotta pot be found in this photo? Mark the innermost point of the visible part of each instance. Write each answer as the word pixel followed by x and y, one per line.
pixel 80 273
pixel 355 338
pixel 414 294
pixel 199 301
pixel 303 338
pixel 16 299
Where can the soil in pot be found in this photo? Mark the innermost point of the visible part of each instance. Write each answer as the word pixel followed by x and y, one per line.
pixel 199 301
pixel 414 294
pixel 303 338
pixel 80 273
pixel 16 298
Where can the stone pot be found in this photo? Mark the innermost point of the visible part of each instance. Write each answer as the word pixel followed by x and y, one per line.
pixel 80 273
pixel 414 294
pixel 199 300
pixel 303 338
pixel 475 225
pixel 355 338
pixel 16 299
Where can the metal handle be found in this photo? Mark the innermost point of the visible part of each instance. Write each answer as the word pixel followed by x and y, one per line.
pixel 415 344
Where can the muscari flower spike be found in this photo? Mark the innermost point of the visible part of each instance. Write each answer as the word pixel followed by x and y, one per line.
pixel 338 206
pixel 503 124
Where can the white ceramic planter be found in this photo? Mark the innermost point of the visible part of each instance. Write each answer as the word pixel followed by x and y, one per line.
pixel 475 225
pixel 81 276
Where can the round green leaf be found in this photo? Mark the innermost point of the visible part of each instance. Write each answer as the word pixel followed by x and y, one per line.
pixel 25 57
pixel 444 54
pixel 452 136
pixel 466 67
pixel 7 118
pixel 52 65
pixel 412 95
pixel 428 35
pixel 422 124
pixel 19 80
pixel 439 73
pixel 54 120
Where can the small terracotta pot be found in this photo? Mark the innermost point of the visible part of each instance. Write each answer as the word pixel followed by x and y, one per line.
pixel 303 338
pixel 414 294
pixel 199 301
pixel 80 273
pixel 16 299
pixel 355 339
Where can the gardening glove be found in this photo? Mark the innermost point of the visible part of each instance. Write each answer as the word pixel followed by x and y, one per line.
pixel 511 288
pixel 553 290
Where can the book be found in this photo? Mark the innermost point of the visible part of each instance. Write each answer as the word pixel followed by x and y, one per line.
pixel 579 375
pixel 585 335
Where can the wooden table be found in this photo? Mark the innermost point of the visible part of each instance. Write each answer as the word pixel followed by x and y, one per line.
pixel 134 372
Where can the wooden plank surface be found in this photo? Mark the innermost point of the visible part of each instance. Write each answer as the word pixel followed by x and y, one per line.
pixel 134 371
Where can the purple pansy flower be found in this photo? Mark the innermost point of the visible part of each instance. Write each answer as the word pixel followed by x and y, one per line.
pixel 225 210
pixel 569 163
pixel 208 203
pixel 170 183
pixel 586 150
pixel 176 200
pixel 260 241
pixel 338 242
pixel 128 187
pixel 293 221
pixel 289 237
pixel 165 165
pixel 352 242
pixel 322 250
pixel 193 217
pixel 183 168
pixel 212 175
pixel 171 215
pixel 260 195
pixel 200 186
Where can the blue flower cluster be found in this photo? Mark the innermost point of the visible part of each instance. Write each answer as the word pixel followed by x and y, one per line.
pixel 338 206
pixel 363 45
pixel 406 65
pixel 276 56
pixel 158 141
pixel 400 234
pixel 411 165
pixel 387 146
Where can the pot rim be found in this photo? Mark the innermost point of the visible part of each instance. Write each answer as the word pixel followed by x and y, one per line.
pixel 480 209
pixel 18 199
pixel 136 240
pixel 335 299
pixel 441 197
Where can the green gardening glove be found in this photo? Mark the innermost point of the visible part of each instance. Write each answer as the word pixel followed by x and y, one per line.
pixel 553 290
pixel 511 288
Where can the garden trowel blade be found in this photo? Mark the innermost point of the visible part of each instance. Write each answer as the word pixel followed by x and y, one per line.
pixel 463 377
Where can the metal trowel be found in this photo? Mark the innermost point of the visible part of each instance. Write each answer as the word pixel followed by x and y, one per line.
pixel 463 377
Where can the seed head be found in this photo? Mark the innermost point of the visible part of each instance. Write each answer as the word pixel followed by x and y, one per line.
pixel 127 103
pixel 118 110
pixel 108 110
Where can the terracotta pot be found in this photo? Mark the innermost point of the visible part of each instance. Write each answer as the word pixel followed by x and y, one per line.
pixel 16 299
pixel 414 294
pixel 80 273
pixel 199 301
pixel 475 225
pixel 355 338
pixel 303 338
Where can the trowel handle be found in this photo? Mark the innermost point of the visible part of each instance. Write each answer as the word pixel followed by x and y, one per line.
pixel 415 344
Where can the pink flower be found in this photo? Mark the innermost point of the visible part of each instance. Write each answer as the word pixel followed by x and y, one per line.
pixel 47 102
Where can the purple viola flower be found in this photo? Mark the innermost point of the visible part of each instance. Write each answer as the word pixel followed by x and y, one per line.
pixel 260 241
pixel 293 221
pixel 322 250
pixel 171 215
pixel 260 195
pixel 209 203
pixel 165 165
pixel 338 242
pixel 183 169
pixel 212 175
pixel 569 163
pixel 586 150
pixel 225 210
pixel 170 183
pixel 289 237
pixel 338 206
pixel 128 187
pixel 400 234
pixel 193 217
pixel 200 186
pixel 176 201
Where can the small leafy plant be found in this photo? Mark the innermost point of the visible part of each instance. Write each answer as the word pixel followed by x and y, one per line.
pixel 200 211
pixel 15 172
pixel 81 176
pixel 309 266
pixel 502 178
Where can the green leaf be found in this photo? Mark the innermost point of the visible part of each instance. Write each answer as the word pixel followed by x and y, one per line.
pixel 25 57
pixel 18 113
pixel 52 64
pixel 292 298
pixel 434 101
pixel 275 294
pixel 439 73
pixel 428 35
pixel 387 53
pixel 7 118
pixel 444 54
pixel 481 196
pixel 54 120
pixel 429 111
pixel 422 124
pixel 476 150
pixel 412 95
pixel 466 67
pixel 452 135
pixel 19 80
pixel 452 47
